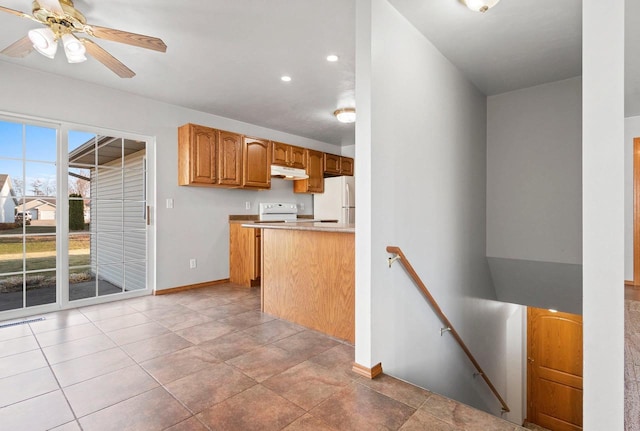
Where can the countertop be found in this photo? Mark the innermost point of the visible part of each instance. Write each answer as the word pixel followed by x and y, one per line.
pixel 301 225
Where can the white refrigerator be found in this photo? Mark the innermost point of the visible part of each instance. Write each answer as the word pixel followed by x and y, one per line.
pixel 338 202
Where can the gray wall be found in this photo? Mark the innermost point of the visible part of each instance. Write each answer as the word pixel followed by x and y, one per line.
pixel 427 195
pixel 534 195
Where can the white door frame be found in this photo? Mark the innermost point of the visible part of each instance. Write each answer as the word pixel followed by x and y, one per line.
pixel 62 229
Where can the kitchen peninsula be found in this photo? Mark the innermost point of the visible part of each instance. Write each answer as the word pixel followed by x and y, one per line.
pixel 308 275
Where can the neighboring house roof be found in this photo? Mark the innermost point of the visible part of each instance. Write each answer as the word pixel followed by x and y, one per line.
pixel 109 149
pixel 6 180
pixel 39 203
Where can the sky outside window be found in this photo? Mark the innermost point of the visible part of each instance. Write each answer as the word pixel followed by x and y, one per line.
pixel 28 155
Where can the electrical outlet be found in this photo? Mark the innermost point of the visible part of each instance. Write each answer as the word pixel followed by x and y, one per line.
pixel 193 263
pixel 247 205
pixel 169 203
pixel 301 206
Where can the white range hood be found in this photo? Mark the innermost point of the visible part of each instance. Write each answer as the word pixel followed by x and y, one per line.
pixel 288 173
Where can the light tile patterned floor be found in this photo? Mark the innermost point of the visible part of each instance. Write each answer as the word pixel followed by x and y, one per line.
pixel 205 359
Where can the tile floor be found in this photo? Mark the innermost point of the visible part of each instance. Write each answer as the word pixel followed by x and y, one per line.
pixel 205 359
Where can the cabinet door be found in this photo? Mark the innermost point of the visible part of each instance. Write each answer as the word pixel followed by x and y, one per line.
pixel 331 164
pixel 256 155
pixel 298 157
pixel 315 182
pixel 229 158
pixel 346 166
pixel 280 153
pixel 197 155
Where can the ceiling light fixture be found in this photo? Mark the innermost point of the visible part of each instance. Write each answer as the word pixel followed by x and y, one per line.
pixel 73 48
pixel 345 115
pixel 481 5
pixel 332 58
pixel 285 78
pixel 44 41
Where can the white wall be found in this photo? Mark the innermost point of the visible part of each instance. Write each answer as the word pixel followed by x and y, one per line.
pixel 427 195
pixel 631 131
pixel 178 237
pixel 603 213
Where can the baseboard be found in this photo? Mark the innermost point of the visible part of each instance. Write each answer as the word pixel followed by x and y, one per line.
pixel 190 287
pixel 369 373
pixel 629 283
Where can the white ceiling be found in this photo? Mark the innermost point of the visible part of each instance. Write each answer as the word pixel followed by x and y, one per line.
pixel 226 57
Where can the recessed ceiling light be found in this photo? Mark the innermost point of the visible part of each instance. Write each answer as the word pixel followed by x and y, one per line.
pixel 332 58
pixel 285 78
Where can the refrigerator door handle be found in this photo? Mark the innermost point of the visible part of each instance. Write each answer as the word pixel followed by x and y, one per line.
pixel 348 193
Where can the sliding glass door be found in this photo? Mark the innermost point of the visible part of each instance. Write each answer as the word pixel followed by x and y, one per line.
pixel 107 249
pixel 73 217
pixel 28 204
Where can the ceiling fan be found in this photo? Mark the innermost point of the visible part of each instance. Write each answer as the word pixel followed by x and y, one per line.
pixel 62 22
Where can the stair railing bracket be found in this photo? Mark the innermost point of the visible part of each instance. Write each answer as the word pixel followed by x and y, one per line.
pixel 443 330
pixel 392 259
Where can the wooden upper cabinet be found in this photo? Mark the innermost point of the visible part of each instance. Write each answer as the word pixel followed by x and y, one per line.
pixel 288 155
pixel 279 154
pixel 229 158
pixel 331 164
pixel 256 155
pixel 298 157
pixel 197 149
pixel 335 165
pixel 346 165
pixel 315 170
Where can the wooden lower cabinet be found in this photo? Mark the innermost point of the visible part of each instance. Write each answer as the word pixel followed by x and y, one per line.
pixel 309 278
pixel 244 255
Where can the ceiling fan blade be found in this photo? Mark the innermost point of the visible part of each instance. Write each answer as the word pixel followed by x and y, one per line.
pixel 19 48
pixel 107 59
pixel 17 13
pixel 51 6
pixel 134 39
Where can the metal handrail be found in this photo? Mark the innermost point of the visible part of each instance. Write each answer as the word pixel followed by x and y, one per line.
pixel 399 255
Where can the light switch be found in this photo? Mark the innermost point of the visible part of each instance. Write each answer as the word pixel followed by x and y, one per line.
pixel 169 203
pixel 247 205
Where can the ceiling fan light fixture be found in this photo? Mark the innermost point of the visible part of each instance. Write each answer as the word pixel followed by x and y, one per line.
pixel 74 49
pixel 481 5
pixel 44 41
pixel 345 115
